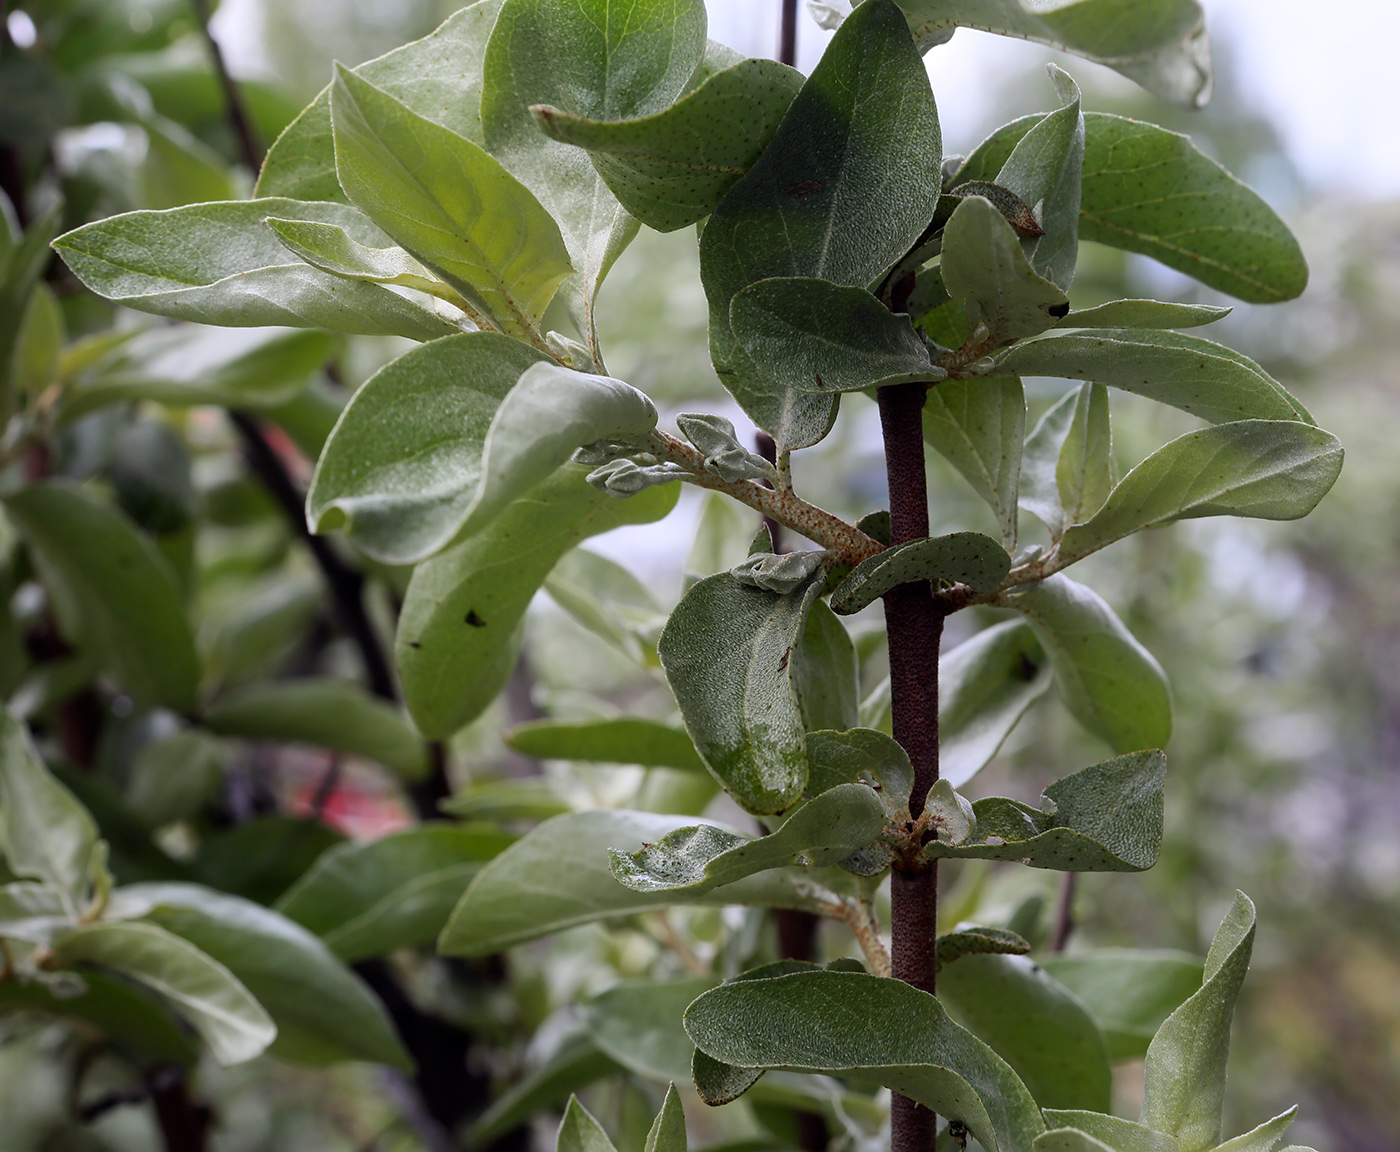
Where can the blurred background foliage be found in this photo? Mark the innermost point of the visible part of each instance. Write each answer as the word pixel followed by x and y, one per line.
pixel 1282 642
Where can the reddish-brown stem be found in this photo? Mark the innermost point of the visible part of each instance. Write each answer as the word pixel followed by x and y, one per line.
pixel 914 622
pixel 1064 912
pixel 787 34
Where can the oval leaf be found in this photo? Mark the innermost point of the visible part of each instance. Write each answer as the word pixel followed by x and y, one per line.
pixel 978 427
pixel 621 740
pixel 960 558
pixel 1144 314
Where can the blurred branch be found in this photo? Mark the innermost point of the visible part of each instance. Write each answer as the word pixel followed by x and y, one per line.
pixel 237 112
pixel 1064 912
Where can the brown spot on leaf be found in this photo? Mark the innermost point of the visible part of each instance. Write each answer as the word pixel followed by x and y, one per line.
pixel 474 620
pixel 806 188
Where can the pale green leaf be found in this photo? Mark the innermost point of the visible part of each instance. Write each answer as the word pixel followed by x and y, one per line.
pixel 728 651
pixel 960 558
pixel 113 591
pixel 837 758
pixel 576 1063
pixel 323 712
pixel 1185 1071
pixel 984 265
pixel 323 1013
pixel 721 539
pixel 506 800
pixel 868 1028
pixel 185 365
pixel 579 1132
pixel 847 185
pixel 20 270
pixel 458 632
pixel 977 940
pixel 1034 1024
pixel 1144 314
pixel 1271 470
pixel 32 911
pixel 1149 190
pixel 217 1005
pixel 331 249
pixel 1084 471
pixel 824 831
pixel 1040 464
pixel 1110 682
pixel 985 686
pixel 1186 372
pixel 438 77
pixel 828 671
pixel 219 263
pixel 1118 1134
pixel 609 601
pixel 1105 818
pixel 404 466
pixel 1128 992
pixel 1265 1138
pixel 978 426
pixel 620 740
pixel 1069 1140
pixel 817 336
pixel 172 779
pixel 367 899
pixel 449 203
pixel 639 1025
pixel 48 834
pixel 1160 44
pixel 667 1132
pixel 38 343
pixel 557 877
pixel 671 168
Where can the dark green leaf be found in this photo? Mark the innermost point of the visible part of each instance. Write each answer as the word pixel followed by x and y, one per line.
pixel 333 714
pixel 322 1011
pixel 113 592
pixel 847 185
pixel 458 632
pixel 870 1028
pixel 1105 818
pixel 1035 1025
pixel 960 558
pixel 1272 470
pixel 824 831
pixel 369 898
pixel 1127 992
pixel 978 426
pixel 497 246
pixel 671 168
pixel 622 740
pixel 263 857
pixel 976 940
pixel 822 337
pixel 557 877
pixel 172 779
pixel 220 264
pixel 728 653
pixel 1110 683
pixel 838 758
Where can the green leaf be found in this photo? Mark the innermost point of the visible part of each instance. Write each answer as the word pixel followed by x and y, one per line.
pixel 503 801
pixel 557 877
pixel 822 337
pixel 619 740
pixel 869 1028
pixel 1105 818
pixel 1144 314
pixel 824 831
pixel 960 558
pixel 1185 1071
pixel 579 1132
pixel 603 61
pixel 186 365
pixel 721 539
pixel 573 1066
pixel 172 779
pixel 38 344
pixel 728 653
pixel 113 591
pixel 219 263
pixel 208 995
pixel 1186 372
pixel 1160 44
pixel 438 77
pixel 984 266
pixel 20 269
pixel 1128 992
pixel 671 168
pixel 827 672
pixel 458 632
pixel 440 441
pixel 1149 190
pixel 668 1130
pixel 1069 1140
pixel 639 1025
pixel 48 834
pixel 1110 683
pixel 327 713
pixel 978 426
pixel 1040 464
pixel 262 857
pixel 1264 1138
pixel 608 601
pixel 331 249
pixel 323 1012
pixel 449 203
pixel 1084 471
pixel 1035 1025
pixel 838 758
pixel 985 686
pixel 367 899
pixel 34 912
pixel 1044 171
pixel 848 183
pixel 1118 1134
pixel 977 940
pixel 1268 469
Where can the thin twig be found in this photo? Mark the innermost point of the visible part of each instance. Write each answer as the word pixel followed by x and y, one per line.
pixel 859 917
pixel 1064 911
pixel 237 113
